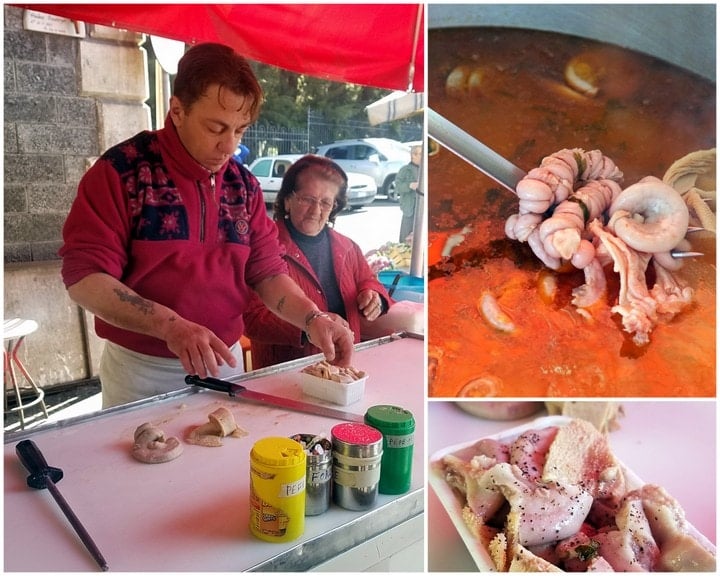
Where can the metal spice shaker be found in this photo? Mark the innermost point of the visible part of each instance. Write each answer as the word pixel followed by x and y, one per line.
pixel 357 455
pixel 318 479
pixel 397 426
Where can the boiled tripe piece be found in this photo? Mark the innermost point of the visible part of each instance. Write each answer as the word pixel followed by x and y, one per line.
pixel 679 549
pixel 327 371
pixel 581 455
pixel 151 446
pixel 221 423
pixel 603 415
pixel 694 177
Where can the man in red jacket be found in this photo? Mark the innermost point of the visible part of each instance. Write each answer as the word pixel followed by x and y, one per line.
pixel 168 236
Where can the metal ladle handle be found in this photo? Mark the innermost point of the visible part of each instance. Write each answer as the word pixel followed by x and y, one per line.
pixel 473 151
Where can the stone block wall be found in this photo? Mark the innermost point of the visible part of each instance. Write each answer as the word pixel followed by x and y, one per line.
pixel 66 100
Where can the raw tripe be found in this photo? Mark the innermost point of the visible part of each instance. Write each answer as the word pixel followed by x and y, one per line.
pixel 327 371
pixel 151 446
pixel 557 499
pixel 220 423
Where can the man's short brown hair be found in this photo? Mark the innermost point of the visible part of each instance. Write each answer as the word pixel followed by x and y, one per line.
pixel 211 63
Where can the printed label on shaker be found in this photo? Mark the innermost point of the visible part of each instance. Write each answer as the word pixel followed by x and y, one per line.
pixel 403 441
pixel 265 518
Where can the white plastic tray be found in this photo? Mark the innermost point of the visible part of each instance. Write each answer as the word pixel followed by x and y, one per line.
pixel 453 504
pixel 335 392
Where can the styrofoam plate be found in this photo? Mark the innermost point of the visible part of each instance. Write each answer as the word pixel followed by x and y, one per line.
pixel 454 505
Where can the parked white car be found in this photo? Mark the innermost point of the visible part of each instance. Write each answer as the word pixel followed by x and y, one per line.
pixel 269 170
pixel 380 158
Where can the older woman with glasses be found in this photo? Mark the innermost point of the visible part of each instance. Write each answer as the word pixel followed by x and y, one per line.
pixel 328 266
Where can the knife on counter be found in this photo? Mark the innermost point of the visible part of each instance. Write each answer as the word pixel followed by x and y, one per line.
pixel 242 393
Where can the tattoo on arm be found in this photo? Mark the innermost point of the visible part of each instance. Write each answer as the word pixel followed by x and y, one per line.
pixel 280 304
pixel 144 306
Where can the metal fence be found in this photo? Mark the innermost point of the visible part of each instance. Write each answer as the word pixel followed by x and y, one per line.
pixel 264 140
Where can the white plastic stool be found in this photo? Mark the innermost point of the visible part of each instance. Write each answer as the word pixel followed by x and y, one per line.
pixel 14 332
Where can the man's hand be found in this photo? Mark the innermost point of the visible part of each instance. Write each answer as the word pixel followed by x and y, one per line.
pixel 197 347
pixel 370 304
pixel 200 351
pixel 333 338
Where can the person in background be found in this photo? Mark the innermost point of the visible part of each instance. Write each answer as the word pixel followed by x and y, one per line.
pixel 168 239
pixel 406 185
pixel 327 265
pixel 241 153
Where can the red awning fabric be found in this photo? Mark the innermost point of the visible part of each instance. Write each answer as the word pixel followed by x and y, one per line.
pixel 379 45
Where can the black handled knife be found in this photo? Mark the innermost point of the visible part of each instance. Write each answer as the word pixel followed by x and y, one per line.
pixel 242 393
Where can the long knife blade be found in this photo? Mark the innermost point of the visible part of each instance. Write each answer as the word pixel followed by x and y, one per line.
pixel 473 151
pixel 242 393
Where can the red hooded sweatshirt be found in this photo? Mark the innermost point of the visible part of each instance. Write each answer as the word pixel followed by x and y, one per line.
pixel 151 216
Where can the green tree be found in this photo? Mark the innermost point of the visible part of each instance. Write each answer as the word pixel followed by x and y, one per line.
pixel 288 97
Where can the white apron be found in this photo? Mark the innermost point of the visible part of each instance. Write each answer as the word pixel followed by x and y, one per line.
pixel 126 376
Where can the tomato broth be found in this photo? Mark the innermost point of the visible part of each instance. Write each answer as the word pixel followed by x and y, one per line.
pixel 513 96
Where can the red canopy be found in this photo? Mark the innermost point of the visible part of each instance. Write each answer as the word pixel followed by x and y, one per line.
pixel 380 45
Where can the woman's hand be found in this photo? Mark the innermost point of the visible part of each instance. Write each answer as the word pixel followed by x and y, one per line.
pixel 370 304
pixel 333 336
pixel 339 319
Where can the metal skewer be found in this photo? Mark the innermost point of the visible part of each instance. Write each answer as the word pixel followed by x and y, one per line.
pixel 44 476
pixel 685 254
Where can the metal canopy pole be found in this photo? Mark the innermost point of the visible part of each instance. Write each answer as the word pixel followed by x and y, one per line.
pixel 417 255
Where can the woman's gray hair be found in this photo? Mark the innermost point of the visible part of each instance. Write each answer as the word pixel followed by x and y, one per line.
pixel 321 167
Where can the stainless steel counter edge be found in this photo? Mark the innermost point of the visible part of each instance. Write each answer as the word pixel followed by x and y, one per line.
pixel 374 522
pixel 248 376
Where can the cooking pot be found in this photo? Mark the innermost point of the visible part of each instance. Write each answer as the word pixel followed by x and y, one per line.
pixel 683 35
pixel 492 317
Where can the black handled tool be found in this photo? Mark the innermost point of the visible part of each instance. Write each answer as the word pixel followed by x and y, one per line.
pixel 44 476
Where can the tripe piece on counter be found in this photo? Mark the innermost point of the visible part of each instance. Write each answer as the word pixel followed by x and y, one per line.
pixel 152 447
pixel 220 423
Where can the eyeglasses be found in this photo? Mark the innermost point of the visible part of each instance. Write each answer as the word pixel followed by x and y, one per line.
pixel 310 202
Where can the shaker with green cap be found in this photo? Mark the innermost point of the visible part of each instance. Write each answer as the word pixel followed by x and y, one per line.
pixel 397 426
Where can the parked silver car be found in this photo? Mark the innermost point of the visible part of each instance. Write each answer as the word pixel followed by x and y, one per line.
pixel 269 170
pixel 380 158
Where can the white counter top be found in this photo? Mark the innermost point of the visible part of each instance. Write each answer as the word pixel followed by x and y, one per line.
pixel 191 514
pixel 670 443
